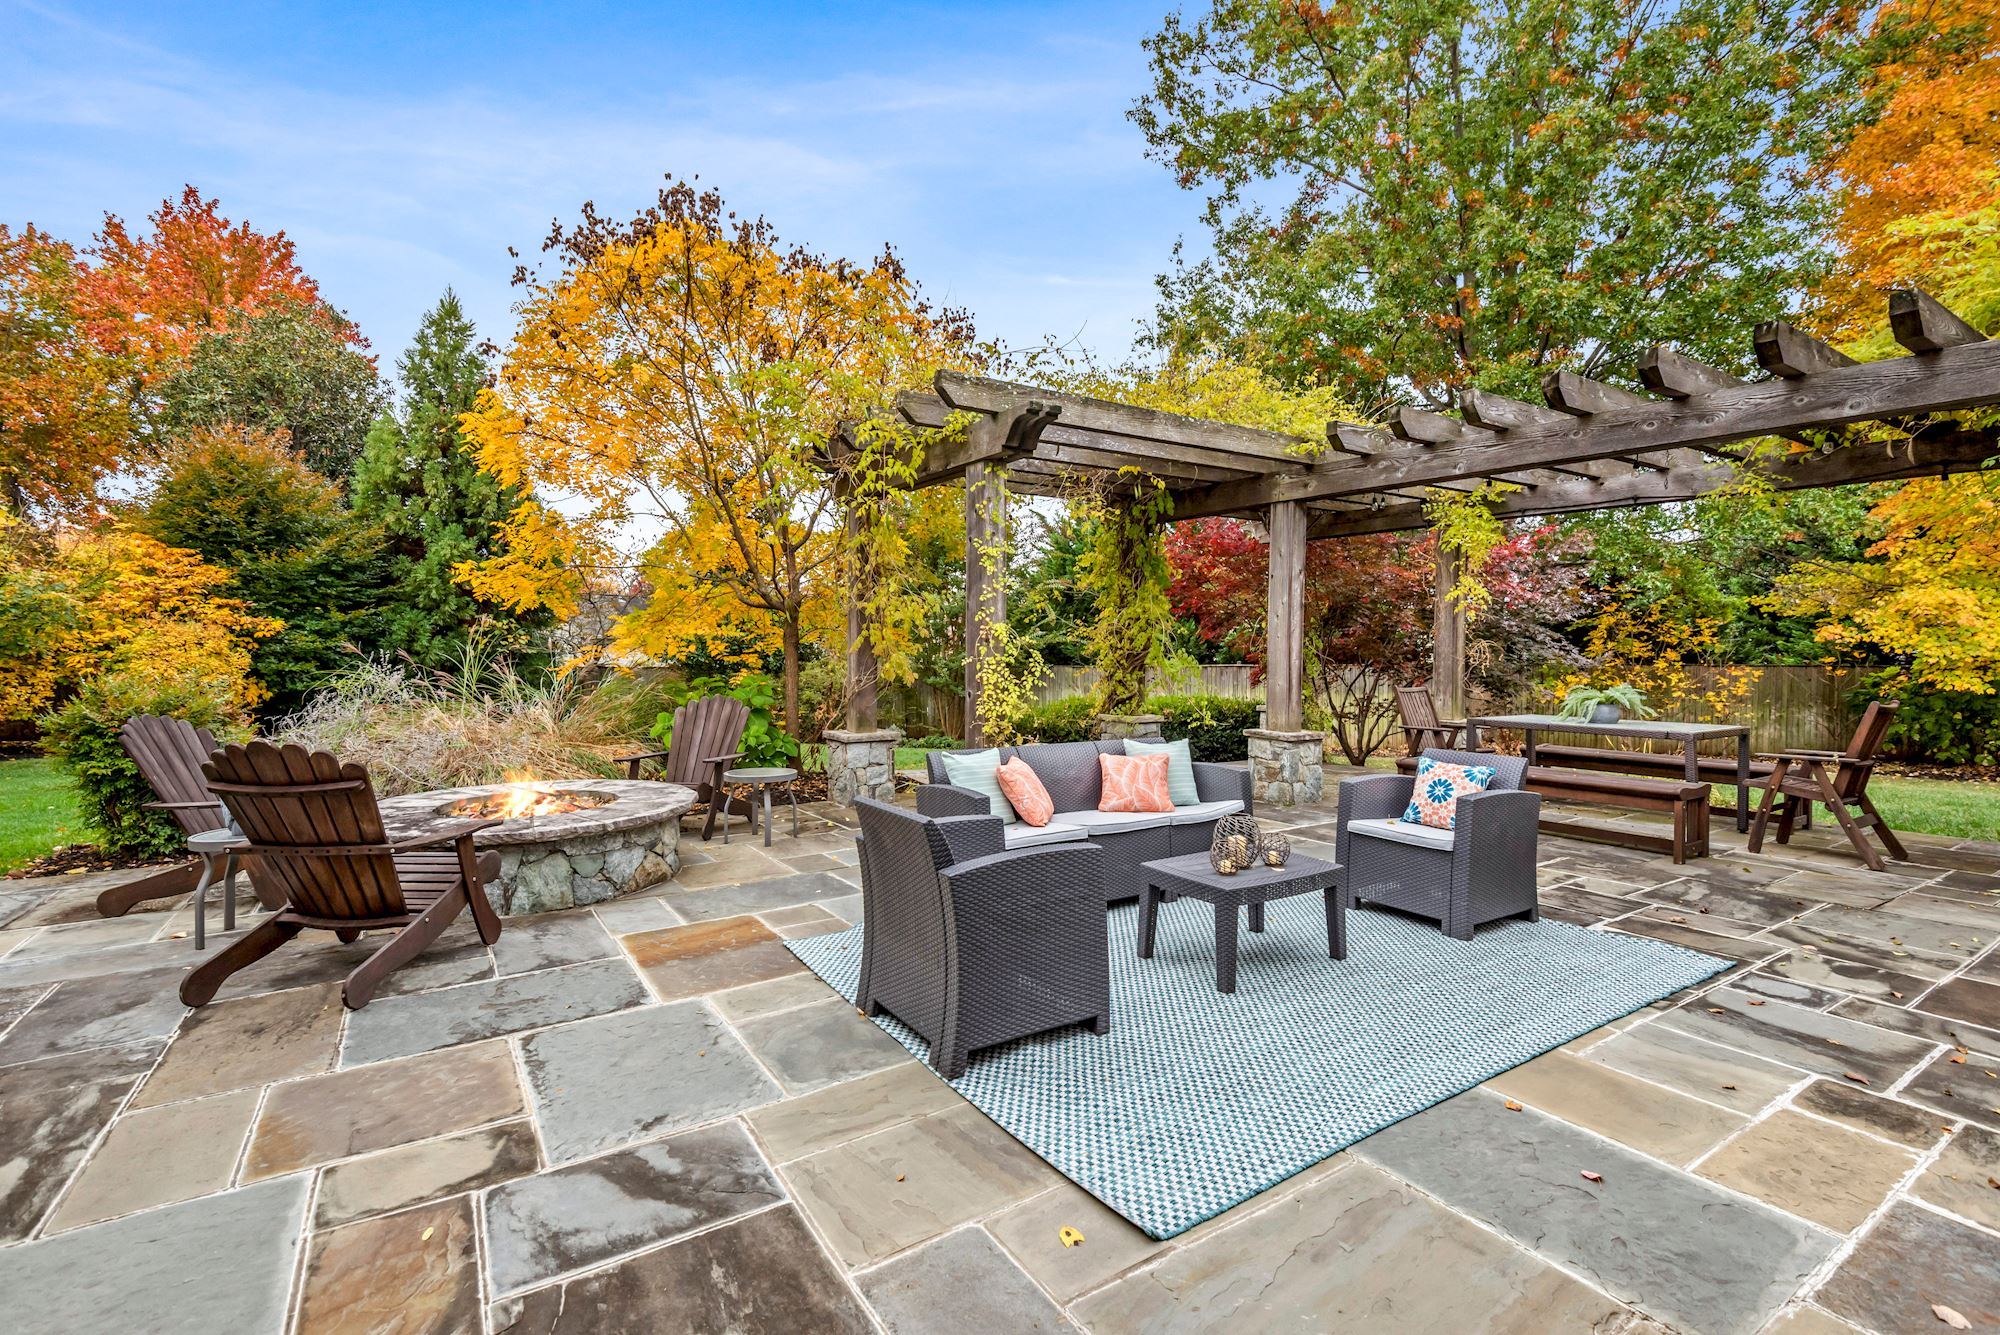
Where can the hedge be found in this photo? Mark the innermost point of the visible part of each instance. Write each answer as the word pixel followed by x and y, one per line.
pixel 1212 724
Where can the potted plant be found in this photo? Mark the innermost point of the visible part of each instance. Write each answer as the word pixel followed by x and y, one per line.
pixel 1605 704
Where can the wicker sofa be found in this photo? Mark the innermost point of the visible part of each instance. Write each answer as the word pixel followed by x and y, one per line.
pixel 1479 871
pixel 1070 772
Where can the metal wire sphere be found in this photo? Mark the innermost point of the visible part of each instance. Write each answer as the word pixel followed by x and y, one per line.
pixel 1236 844
pixel 1277 849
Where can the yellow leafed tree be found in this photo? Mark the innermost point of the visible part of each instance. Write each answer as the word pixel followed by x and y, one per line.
pixel 668 393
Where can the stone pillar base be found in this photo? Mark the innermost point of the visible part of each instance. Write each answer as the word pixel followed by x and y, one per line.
pixel 861 764
pixel 1286 768
pixel 1138 727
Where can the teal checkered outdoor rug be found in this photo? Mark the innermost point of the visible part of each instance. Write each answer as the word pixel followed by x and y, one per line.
pixel 1195 1101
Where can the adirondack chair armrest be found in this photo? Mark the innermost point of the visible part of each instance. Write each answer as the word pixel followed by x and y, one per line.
pixel 211 805
pixel 643 755
pixel 721 760
pixel 1797 755
pixel 446 834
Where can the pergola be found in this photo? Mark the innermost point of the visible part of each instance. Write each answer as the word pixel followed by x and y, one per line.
pixel 1590 446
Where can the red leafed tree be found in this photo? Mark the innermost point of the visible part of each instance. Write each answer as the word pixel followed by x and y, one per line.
pixel 153 296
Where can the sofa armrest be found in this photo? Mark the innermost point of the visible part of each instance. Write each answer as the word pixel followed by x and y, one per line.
pixel 972 837
pixel 1222 783
pixel 1374 797
pixel 943 799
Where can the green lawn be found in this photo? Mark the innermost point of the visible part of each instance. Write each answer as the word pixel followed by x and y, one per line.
pixel 37 812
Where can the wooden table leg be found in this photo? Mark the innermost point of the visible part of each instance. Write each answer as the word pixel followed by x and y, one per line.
pixel 1225 947
pixel 1742 782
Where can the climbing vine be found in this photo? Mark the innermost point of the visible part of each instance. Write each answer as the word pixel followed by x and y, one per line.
pixel 1126 571
pixel 1007 665
pixel 1465 525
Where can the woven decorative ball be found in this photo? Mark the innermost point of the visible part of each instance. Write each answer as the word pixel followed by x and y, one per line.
pixel 1277 849
pixel 1235 845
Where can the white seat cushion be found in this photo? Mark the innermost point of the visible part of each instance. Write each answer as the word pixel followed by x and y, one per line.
pixel 1116 822
pixel 1023 835
pixel 1403 832
pixel 1196 812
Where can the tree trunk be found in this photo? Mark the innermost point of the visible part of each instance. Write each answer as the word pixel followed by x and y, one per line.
pixel 792 672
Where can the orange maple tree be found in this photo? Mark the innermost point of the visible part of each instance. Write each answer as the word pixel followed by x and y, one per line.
pixel 154 296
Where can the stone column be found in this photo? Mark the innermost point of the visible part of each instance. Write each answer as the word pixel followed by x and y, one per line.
pixel 985 590
pixel 1138 727
pixel 1286 768
pixel 861 764
pixel 1447 639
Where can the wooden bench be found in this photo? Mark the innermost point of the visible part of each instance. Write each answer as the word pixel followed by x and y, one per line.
pixel 1713 769
pixel 1686 803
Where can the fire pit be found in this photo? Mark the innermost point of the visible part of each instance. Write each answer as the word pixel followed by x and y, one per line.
pixel 565 842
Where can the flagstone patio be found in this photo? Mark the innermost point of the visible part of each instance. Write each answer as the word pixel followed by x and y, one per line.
pixel 648 1115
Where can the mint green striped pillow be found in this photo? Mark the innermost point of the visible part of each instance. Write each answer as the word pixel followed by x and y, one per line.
pixel 975 770
pixel 1180 768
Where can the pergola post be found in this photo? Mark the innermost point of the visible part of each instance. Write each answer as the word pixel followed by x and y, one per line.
pixel 985 580
pixel 1285 759
pixel 860 757
pixel 1447 638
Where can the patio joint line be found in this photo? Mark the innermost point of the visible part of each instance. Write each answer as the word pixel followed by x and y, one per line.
pixel 1825 1270
pixel 656 1245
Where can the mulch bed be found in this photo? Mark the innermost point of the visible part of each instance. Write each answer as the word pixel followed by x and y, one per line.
pixel 72 859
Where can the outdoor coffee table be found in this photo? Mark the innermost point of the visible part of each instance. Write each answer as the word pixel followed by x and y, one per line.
pixel 761 780
pixel 1252 888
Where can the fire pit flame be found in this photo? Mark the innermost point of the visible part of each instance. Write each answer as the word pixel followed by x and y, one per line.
pixel 524 798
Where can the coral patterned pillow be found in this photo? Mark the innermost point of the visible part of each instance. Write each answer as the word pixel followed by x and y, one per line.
pixel 1439 786
pixel 1025 792
pixel 1134 783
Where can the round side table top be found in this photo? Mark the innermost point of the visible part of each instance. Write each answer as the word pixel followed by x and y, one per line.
pixel 215 841
pixel 767 775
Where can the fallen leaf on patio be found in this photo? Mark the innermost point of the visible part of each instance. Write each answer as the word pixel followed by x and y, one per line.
pixel 1857 1079
pixel 427 1233
pixel 1717 1010
pixel 1900 954
pixel 702 1052
pixel 1756 1003
pixel 1677 920
pixel 1957 1060
pixel 1897 995
pixel 1701 910
pixel 177 936
pixel 1513 1106
pixel 1836 1042
pixel 1993 1182
pixel 1950 1317
pixel 899 1177
pixel 1589 1176
pixel 1729 1086
pixel 1070 1237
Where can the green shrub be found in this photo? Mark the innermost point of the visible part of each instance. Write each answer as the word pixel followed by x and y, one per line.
pixel 83 737
pixel 1212 724
pixel 1941 727
pixel 1070 720
pixel 765 742
pixel 936 741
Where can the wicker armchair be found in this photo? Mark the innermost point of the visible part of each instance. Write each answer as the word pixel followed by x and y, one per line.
pixel 1482 870
pixel 971 945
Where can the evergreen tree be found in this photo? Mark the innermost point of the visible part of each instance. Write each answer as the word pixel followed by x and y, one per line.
pixel 433 503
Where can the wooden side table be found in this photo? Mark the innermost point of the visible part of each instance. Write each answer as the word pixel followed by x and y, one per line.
pixel 761 780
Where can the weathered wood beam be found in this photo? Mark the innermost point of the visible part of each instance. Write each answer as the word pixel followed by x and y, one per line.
pixel 1674 376
pixel 1579 396
pixel 1498 413
pixel 1941 381
pixel 1175 464
pixel 1284 619
pixel 1424 427
pixel 1921 323
pixel 1688 475
pixel 982 394
pixel 1792 354
pixel 1011 434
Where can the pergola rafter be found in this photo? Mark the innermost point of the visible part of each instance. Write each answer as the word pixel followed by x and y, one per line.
pixel 1588 446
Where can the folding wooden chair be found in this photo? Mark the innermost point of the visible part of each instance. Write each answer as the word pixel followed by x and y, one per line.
pixel 1803 778
pixel 314 824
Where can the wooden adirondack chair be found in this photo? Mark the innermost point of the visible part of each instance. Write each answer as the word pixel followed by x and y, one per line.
pixel 1803 778
pixel 169 753
pixel 1422 729
pixel 707 739
pixel 314 823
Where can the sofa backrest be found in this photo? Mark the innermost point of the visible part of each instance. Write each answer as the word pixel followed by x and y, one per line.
pixel 1069 770
pixel 934 760
pixel 1509 772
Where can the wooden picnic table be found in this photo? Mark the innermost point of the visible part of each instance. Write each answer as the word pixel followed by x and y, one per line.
pixel 1688 735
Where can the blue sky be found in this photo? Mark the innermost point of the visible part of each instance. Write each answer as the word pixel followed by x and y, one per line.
pixel 404 147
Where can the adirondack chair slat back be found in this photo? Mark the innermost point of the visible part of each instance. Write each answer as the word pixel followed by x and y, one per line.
pixel 1857 761
pixel 290 797
pixel 169 753
pixel 1417 707
pixel 710 726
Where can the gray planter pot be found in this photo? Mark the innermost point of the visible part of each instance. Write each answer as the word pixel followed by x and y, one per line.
pixel 1606 713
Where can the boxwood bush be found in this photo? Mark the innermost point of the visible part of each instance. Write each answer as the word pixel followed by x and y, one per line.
pixel 1212 724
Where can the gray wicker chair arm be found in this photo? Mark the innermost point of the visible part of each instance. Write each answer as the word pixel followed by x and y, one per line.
pixel 1506 814
pixel 972 837
pixel 942 799
pixel 1057 873
pixel 1221 783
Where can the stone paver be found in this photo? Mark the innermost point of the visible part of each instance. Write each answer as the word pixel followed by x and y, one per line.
pixel 428 1170
pixel 1911 1260
pixel 1628 1110
pixel 1890 1119
pixel 820 1044
pixel 1522 1173
pixel 876 1196
pixel 779 994
pixel 44 1135
pixel 1355 1251
pixel 328 1117
pixel 626 1077
pixel 250 1041
pixel 1831 1176
pixel 1966 999
pixel 401 1026
pixel 414 1273
pixel 542 1227
pixel 1811 1040
pixel 1962 1179
pixel 552 940
pixel 801 1126
pixel 709 956
pixel 86 1066
pixel 96 1012
pixel 1969 1088
pixel 132 1274
pixel 962 1281
pixel 775 892
pixel 763 1275
pixel 1696 1066
pixel 160 1156
pixel 1032 1233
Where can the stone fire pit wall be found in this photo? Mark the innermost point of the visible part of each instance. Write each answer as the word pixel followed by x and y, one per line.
pixel 568 859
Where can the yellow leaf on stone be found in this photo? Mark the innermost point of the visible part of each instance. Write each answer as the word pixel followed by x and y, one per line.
pixel 1070 1237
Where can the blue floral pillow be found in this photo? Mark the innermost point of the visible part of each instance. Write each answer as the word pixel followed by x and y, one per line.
pixel 1440 783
